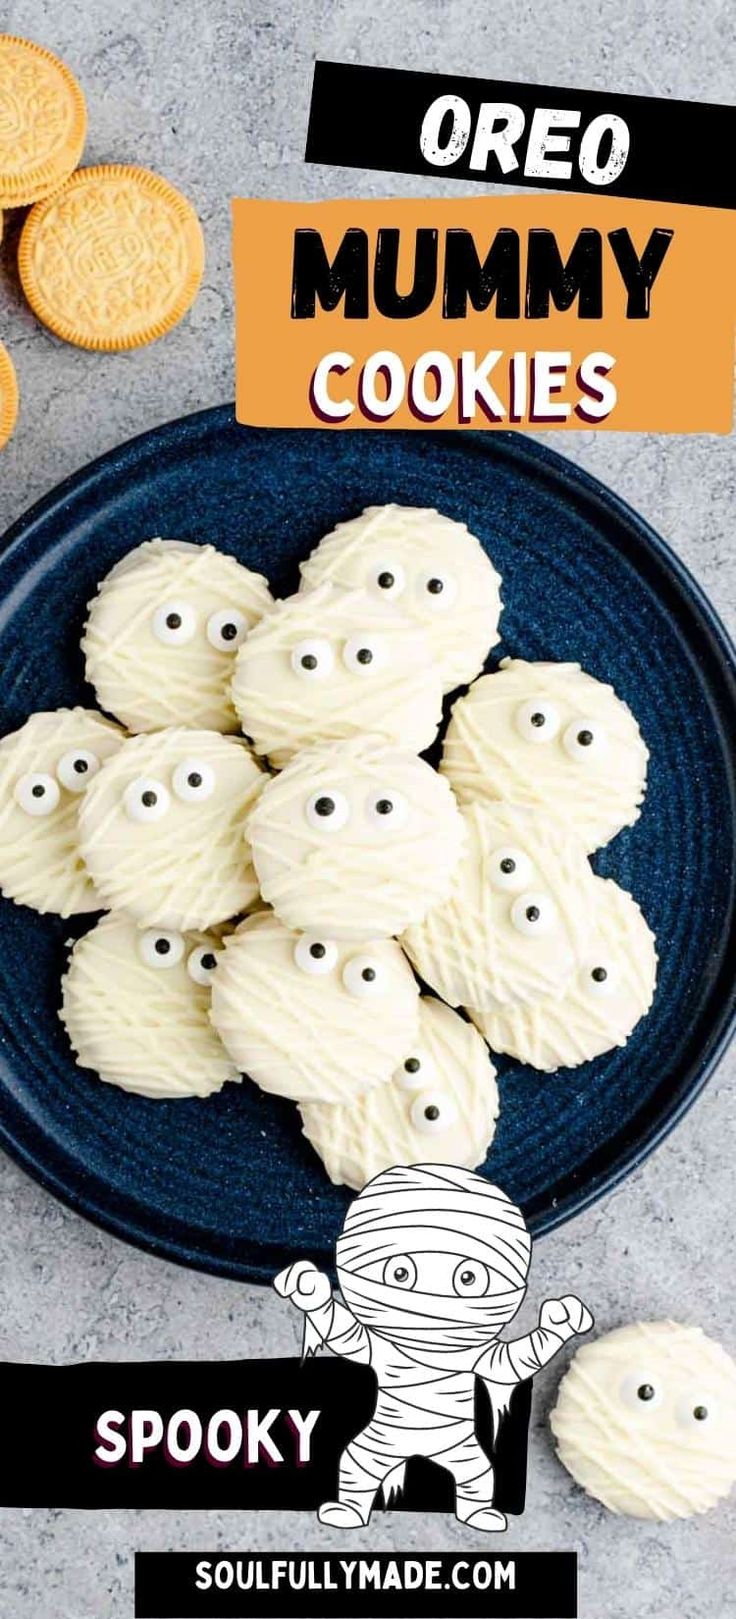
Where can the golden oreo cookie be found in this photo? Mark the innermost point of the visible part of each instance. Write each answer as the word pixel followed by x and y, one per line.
pixel 113 260
pixel 43 122
pixel 8 396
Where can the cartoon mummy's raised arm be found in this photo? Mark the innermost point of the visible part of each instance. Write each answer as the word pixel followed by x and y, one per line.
pixel 325 1319
pixel 509 1363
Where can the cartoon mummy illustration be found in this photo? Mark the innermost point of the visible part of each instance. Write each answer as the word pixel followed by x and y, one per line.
pixel 549 736
pixel 645 1420
pixel 427 564
pixel 45 767
pixel 432 1263
pixel 161 828
pixel 308 1017
pixel 440 1105
pixel 599 1007
pixel 163 631
pixel 329 664
pixel 519 919
pixel 355 840
pixel 136 1008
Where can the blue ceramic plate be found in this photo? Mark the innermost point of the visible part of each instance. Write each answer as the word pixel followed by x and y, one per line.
pixel 230 1185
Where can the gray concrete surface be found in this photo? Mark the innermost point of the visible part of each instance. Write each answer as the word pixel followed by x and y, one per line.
pixel 214 93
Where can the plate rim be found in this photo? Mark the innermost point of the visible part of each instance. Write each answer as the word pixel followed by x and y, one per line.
pixel 525 449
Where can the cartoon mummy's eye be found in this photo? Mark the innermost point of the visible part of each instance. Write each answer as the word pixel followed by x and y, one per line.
pixel 158 947
pixel 313 955
pixel 226 629
pixel 364 654
pixel 432 1112
pixel 387 809
pixel 510 870
pixel 388 579
pixel 174 623
pixel 364 977
pixel 533 914
pixel 639 1393
pixel 327 811
pixel 400 1271
pixel 201 963
pixel 695 1413
pixel 313 660
pixel 146 799
pixel 36 793
pixel 471 1279
pixel 537 721
pixel 415 1071
pixel 584 740
pixel 600 979
pixel 193 781
pixel 76 768
pixel 436 590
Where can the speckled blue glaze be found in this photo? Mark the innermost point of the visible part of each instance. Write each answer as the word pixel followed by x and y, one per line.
pixel 230 1185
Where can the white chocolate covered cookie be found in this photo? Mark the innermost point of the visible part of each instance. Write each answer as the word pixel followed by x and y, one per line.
pixel 162 632
pixel 428 565
pixel 549 736
pixel 161 829
pixel 602 1003
pixel 44 768
pixel 310 1018
pixel 136 1008
pixel 355 840
pixel 645 1420
pixel 440 1106
pixel 519 918
pixel 329 664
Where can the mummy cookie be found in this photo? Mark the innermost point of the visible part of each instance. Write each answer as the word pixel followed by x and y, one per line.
pixel 162 633
pixel 645 1420
pixel 518 922
pixel 329 664
pixel 602 1003
pixel 136 1008
pixel 549 736
pixel 428 565
pixel 355 840
pixel 310 1018
pixel 440 1106
pixel 161 828
pixel 44 769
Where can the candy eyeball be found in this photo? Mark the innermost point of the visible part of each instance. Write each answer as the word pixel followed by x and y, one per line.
pixel 329 664
pixel 440 1106
pixel 162 633
pixel 601 1004
pixel 136 1009
pixel 162 828
pixel 46 768
pixel 174 623
pixel 355 840
pixel 489 946
pixel 299 1014
pixel 645 1420
pixel 528 732
pixel 437 572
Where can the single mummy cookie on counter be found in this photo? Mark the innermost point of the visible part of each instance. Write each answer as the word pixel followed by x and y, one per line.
pixel 428 565
pixel 645 1420
pixel 308 1017
pixel 135 1005
pixel 355 840
pixel 602 1003
pixel 162 632
pixel 329 664
pixel 518 922
pixel 44 768
pixel 552 737
pixel 161 828
pixel 440 1106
